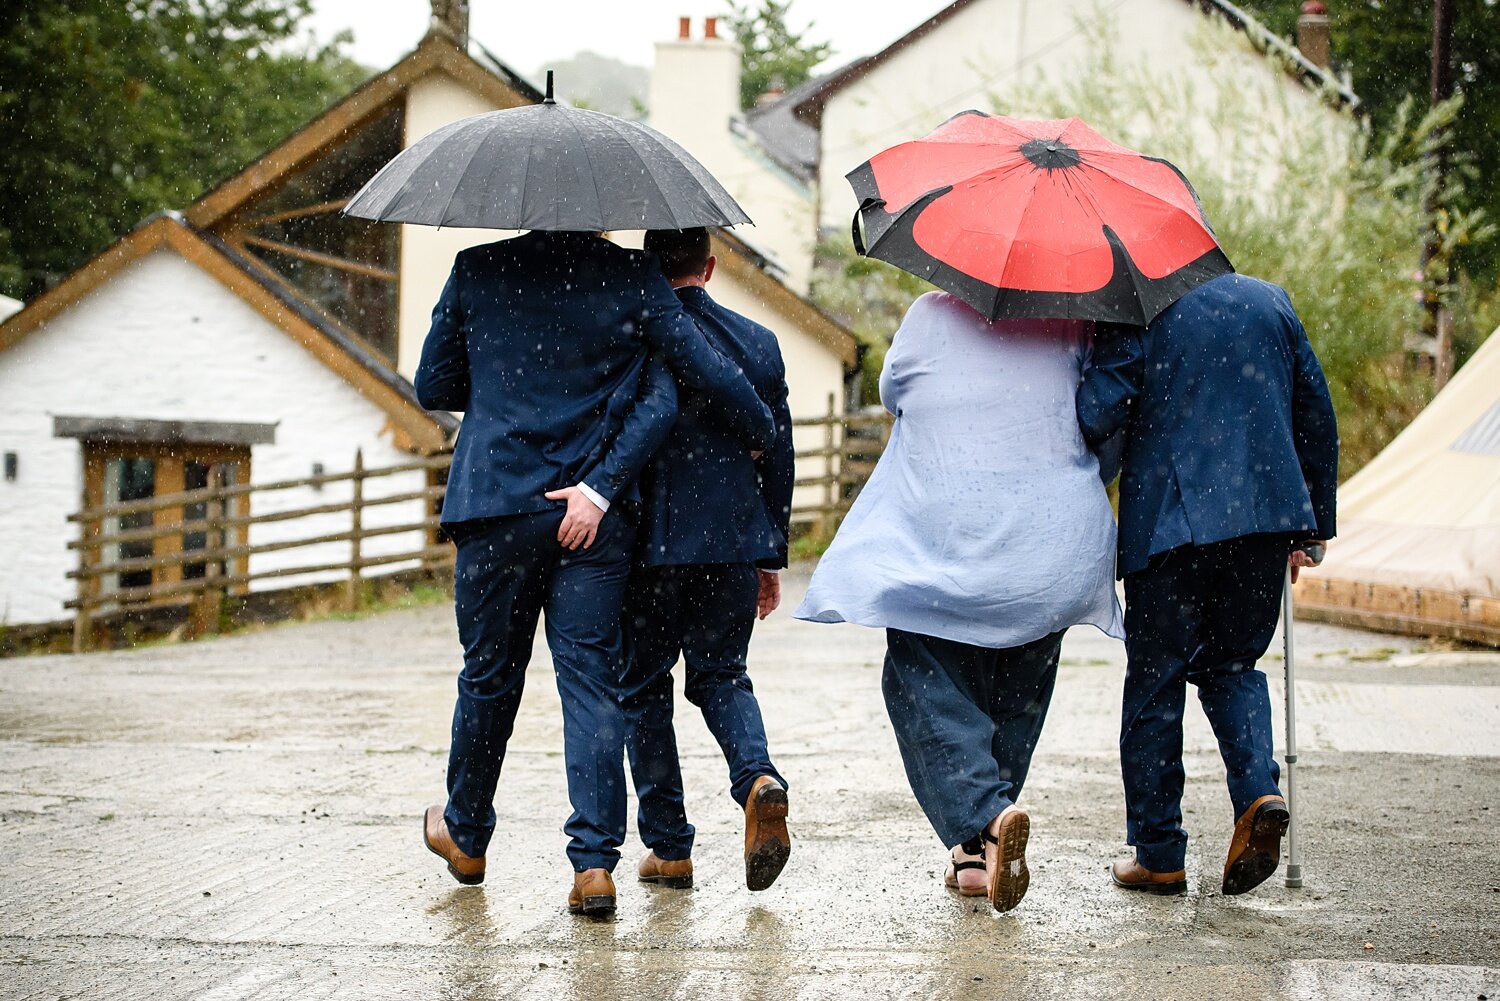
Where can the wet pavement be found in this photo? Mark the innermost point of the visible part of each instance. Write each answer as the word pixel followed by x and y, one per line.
pixel 239 818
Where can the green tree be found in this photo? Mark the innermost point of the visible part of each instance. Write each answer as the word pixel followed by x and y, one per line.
pixel 1386 48
pixel 772 51
pixel 114 109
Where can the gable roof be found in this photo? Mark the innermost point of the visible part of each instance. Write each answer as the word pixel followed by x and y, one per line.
pixel 436 53
pixel 809 106
pixel 350 360
pixel 786 138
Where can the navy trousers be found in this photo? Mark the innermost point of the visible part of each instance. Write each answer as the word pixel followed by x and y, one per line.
pixel 508 570
pixel 705 613
pixel 1200 614
pixel 967 719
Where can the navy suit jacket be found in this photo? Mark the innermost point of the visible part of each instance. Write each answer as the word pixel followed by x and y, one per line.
pixel 705 500
pixel 542 341
pixel 1231 431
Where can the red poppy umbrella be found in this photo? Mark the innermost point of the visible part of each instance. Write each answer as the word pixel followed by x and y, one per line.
pixel 1036 218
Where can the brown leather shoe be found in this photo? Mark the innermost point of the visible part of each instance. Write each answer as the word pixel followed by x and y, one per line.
pixel 1131 875
pixel 593 894
pixel 1005 857
pixel 767 843
pixel 466 869
pixel 1255 849
pixel 674 873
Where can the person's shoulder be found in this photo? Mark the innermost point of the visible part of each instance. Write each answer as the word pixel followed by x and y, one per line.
pixel 707 303
pixel 631 258
pixel 929 303
pixel 492 255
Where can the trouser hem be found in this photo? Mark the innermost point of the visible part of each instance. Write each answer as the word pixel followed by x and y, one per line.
pixel 1162 858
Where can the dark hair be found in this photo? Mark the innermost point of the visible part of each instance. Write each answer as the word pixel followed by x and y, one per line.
pixel 683 252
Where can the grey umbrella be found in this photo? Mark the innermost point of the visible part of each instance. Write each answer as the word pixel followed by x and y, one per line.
pixel 546 166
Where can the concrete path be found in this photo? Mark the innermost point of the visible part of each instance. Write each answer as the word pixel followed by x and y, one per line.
pixel 239 819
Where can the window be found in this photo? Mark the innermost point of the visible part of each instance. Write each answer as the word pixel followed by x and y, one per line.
pixel 117 472
pixel 346 267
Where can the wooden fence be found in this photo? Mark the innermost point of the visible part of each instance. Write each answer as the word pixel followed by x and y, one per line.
pixel 222 560
pixel 851 445
pixel 221 547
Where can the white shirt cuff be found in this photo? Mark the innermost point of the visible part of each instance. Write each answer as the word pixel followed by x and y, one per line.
pixel 593 495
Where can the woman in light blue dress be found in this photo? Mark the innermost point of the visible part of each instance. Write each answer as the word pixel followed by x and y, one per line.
pixel 982 535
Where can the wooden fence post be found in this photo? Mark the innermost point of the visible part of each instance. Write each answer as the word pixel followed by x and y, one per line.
pixel 88 585
pixel 210 604
pixel 356 529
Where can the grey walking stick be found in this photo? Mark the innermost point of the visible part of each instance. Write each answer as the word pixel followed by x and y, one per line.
pixel 1293 846
pixel 1293 841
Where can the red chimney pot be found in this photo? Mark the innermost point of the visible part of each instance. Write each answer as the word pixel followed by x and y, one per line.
pixel 684 28
pixel 710 27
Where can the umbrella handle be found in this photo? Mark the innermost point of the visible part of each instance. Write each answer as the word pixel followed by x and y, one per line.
pixel 854 233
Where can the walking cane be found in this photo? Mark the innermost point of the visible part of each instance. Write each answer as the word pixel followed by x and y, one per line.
pixel 1293 846
pixel 1293 842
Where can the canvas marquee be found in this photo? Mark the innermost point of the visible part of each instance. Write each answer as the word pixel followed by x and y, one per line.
pixel 1418 549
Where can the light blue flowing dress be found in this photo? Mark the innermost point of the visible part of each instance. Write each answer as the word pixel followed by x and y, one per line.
pixel 985 521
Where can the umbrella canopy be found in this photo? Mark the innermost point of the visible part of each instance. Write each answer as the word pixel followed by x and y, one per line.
pixel 1023 218
pixel 546 166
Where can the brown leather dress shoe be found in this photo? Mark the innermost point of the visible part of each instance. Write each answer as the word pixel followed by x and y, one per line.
pixel 1255 849
pixel 1005 858
pixel 593 894
pixel 674 873
pixel 464 868
pixel 1131 875
pixel 767 843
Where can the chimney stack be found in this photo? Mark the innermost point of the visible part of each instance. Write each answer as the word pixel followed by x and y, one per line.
pixel 695 91
pixel 451 18
pixel 1312 34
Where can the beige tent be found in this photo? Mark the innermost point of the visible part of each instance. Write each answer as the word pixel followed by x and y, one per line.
pixel 1419 527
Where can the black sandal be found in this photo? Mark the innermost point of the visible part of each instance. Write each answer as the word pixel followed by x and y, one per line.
pixel 974 846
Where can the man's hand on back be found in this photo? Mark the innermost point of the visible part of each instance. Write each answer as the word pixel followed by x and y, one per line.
pixel 581 523
pixel 769 597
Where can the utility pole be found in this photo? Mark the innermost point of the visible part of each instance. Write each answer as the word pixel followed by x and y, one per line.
pixel 1438 323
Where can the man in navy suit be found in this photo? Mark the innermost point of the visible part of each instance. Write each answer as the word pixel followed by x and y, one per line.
pixel 543 341
pixel 1231 459
pixel 714 533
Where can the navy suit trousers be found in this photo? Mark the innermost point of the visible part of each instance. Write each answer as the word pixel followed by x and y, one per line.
pixel 967 719
pixel 509 569
pixel 705 613
pixel 1200 614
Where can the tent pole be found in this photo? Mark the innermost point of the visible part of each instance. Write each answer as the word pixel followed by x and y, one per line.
pixel 1293 843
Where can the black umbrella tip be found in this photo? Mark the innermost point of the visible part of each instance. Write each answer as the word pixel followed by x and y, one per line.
pixel 548 98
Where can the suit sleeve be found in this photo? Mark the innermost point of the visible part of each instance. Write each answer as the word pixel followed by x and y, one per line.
pixel 672 333
pixel 646 425
pixel 1111 384
pixel 778 473
pixel 442 379
pixel 1315 432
